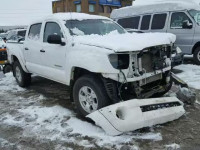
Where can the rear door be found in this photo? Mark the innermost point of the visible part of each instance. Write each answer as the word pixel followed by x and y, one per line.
pixel 53 56
pixel 32 47
pixel 184 37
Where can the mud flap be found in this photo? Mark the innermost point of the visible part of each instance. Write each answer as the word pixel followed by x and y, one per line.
pixel 135 114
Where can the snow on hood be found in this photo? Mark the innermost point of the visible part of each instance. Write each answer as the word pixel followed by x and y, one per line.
pixel 128 41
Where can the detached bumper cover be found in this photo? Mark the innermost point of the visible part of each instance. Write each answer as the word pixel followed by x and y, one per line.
pixel 135 114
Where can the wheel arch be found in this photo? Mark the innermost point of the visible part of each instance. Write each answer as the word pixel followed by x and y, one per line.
pixel 77 72
pixel 195 46
pixel 15 58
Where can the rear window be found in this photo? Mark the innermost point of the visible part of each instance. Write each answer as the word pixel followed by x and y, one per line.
pixel 158 21
pixel 34 32
pixel 132 22
pixel 145 22
pixel 22 33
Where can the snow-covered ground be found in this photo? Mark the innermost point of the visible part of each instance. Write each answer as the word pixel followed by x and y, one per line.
pixel 190 74
pixel 31 118
pixel 56 122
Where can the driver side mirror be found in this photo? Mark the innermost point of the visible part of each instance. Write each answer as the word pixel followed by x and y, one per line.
pixel 55 39
pixel 187 24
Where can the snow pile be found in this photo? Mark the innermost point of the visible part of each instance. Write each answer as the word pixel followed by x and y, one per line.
pixel 153 6
pixel 74 16
pixel 9 84
pixel 173 146
pixel 126 42
pixel 190 74
pixel 151 2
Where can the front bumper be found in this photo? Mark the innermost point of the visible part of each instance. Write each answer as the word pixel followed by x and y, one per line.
pixel 135 114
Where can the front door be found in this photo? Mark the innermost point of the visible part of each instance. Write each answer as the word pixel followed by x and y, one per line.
pixel 184 36
pixel 53 55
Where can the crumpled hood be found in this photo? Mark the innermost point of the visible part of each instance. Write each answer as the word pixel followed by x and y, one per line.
pixel 128 41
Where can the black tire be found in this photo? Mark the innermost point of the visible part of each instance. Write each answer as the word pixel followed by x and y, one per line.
pixel 197 55
pixel 97 86
pixel 25 77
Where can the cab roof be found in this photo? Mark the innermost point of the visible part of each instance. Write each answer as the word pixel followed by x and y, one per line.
pixel 71 16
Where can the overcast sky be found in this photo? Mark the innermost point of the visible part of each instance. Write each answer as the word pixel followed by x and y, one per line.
pixel 22 12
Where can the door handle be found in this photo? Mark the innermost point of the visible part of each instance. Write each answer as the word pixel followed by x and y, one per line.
pixel 42 51
pixel 26 49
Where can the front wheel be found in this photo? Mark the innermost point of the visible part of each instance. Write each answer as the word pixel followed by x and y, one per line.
pixel 197 56
pixel 23 79
pixel 89 95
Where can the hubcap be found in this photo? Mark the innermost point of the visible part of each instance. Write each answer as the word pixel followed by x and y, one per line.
pixel 88 99
pixel 18 74
pixel 198 55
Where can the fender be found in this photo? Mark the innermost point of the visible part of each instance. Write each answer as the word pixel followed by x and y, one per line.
pixel 89 58
pixel 15 50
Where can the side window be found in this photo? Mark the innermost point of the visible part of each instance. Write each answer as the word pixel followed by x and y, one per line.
pixel 132 22
pixel 50 29
pixel 34 32
pixel 158 21
pixel 145 22
pixel 177 20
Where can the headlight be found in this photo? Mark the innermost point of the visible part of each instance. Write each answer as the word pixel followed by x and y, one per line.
pixel 119 61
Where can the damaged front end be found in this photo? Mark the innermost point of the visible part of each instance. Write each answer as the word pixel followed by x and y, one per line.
pixel 142 74
pixel 135 114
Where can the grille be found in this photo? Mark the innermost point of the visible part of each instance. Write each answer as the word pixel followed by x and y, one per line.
pixel 151 79
pixel 147 62
pixel 3 55
pixel 159 106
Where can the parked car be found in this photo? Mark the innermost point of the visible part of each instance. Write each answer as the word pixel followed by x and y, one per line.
pixel 177 55
pixel 177 18
pixel 3 52
pixel 3 36
pixel 16 35
pixel 97 58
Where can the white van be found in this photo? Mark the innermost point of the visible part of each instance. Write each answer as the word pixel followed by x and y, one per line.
pixel 177 18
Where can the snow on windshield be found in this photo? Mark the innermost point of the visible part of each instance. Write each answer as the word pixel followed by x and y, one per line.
pixel 90 26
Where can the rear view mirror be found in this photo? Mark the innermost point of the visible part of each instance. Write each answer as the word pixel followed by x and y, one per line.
pixel 55 39
pixel 187 24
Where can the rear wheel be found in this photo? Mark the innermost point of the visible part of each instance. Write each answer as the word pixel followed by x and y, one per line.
pixel 23 79
pixel 197 56
pixel 89 95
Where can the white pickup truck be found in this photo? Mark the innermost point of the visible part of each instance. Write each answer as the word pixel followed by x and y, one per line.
pixel 96 57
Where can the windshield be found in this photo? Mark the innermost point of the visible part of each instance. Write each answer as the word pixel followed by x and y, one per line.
pixel 88 27
pixel 195 14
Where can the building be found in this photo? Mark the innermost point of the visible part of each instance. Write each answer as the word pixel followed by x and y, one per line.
pixel 96 7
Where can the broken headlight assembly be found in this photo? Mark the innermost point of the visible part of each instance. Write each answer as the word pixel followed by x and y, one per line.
pixel 119 61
